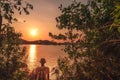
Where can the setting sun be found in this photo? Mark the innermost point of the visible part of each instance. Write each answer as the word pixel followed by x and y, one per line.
pixel 33 32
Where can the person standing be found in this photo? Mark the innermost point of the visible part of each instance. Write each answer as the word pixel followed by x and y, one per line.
pixel 42 72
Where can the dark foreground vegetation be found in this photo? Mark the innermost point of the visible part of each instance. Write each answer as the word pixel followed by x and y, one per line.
pixel 94 31
pixel 12 56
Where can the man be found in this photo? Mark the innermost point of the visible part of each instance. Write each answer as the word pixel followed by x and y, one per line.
pixel 42 72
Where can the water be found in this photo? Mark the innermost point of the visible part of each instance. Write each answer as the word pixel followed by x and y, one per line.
pixel 50 52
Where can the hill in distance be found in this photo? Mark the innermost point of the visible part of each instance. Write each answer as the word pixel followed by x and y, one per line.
pixel 42 42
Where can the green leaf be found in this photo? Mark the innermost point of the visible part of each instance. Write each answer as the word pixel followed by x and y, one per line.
pixel 119 29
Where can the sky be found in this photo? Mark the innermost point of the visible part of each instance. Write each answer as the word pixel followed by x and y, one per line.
pixel 41 20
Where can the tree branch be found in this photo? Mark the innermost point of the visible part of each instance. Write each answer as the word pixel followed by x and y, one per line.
pixel 111 41
pixel 0 22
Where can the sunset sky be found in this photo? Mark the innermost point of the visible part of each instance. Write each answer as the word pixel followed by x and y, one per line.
pixel 41 20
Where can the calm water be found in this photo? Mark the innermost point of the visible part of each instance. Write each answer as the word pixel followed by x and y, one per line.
pixel 50 52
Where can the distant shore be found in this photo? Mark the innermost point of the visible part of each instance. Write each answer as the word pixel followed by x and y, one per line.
pixel 42 42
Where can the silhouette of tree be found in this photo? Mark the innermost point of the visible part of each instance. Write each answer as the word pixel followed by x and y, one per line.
pixel 93 30
pixel 12 55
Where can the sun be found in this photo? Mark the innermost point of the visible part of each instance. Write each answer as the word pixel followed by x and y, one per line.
pixel 33 32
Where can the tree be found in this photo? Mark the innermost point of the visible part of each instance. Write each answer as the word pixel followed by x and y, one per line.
pixel 94 36
pixel 8 8
pixel 12 55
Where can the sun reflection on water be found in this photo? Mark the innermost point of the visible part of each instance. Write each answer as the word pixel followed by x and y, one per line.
pixel 32 56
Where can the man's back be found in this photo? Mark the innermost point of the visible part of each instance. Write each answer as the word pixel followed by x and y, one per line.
pixel 42 73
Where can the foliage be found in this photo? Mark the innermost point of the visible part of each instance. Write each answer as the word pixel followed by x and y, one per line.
pixel 12 55
pixel 12 66
pixel 93 29
pixel 10 7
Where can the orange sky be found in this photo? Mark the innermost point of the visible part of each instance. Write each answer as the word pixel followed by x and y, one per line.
pixel 41 19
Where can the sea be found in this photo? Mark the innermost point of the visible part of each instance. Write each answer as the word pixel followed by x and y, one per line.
pixel 50 52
